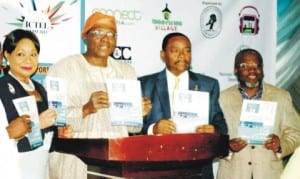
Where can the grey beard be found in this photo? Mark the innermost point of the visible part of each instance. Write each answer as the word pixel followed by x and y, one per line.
pixel 251 85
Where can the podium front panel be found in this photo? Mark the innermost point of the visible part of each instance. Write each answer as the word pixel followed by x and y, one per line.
pixel 174 155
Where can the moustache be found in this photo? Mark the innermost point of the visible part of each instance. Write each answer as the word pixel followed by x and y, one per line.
pixel 181 61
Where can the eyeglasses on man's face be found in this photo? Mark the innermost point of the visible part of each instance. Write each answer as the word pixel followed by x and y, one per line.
pixel 247 66
pixel 100 34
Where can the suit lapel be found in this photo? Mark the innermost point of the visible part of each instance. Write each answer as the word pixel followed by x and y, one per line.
pixel 194 83
pixel 162 90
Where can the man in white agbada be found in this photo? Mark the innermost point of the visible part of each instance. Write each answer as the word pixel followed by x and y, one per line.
pixel 87 99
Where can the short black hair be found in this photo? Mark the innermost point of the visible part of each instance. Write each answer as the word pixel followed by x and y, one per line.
pixel 15 36
pixel 171 35
pixel 239 56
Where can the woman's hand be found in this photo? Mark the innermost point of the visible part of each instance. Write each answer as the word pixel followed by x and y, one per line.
pixel 47 118
pixel 19 127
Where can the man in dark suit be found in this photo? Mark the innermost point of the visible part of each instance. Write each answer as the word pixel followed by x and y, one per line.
pixel 158 87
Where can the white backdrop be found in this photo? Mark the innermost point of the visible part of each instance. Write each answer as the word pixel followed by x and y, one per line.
pixel 141 26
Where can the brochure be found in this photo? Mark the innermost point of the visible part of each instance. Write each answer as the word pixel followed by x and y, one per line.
pixel 125 102
pixel 27 105
pixel 56 91
pixel 190 109
pixel 257 120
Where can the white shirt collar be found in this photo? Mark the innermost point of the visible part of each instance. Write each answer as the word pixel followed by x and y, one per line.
pixel 182 75
pixel 183 78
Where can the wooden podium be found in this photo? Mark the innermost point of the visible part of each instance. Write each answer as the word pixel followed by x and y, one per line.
pixel 148 155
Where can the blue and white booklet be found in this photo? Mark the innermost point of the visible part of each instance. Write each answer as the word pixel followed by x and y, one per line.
pixel 27 105
pixel 56 92
pixel 257 120
pixel 125 102
pixel 190 109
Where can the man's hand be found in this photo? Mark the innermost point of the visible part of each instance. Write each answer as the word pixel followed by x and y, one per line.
pixel 98 100
pixel 273 143
pixel 19 127
pixel 146 104
pixel 207 128
pixel 65 132
pixel 164 126
pixel 237 144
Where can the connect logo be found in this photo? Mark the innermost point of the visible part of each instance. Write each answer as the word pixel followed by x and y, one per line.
pixel 124 17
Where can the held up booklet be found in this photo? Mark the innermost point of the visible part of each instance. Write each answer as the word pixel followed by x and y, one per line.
pixel 56 93
pixel 257 120
pixel 125 102
pixel 27 105
pixel 190 109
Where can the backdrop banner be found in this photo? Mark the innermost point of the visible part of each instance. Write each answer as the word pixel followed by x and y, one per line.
pixel 217 29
